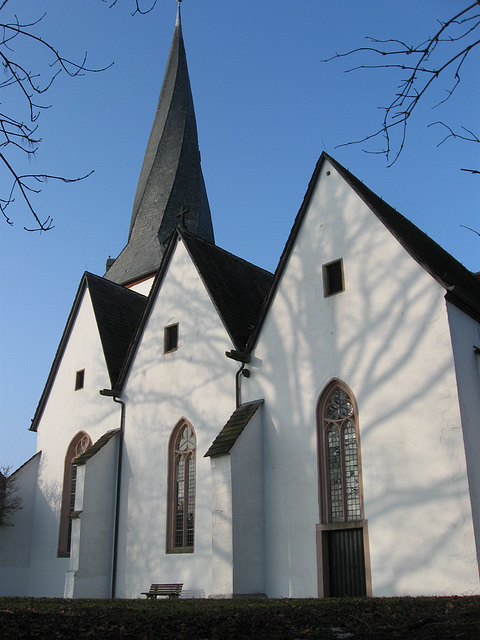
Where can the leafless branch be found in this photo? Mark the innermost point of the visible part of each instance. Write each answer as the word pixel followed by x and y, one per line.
pixel 30 79
pixel 443 55
pixel 469 228
pixel 138 7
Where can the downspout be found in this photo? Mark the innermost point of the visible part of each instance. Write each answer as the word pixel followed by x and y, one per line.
pixel 237 385
pixel 244 358
pixel 115 396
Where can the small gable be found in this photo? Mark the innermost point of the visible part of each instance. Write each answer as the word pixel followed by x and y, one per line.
pixel 233 429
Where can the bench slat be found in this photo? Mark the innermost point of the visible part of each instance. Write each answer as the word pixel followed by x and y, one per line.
pixel 172 590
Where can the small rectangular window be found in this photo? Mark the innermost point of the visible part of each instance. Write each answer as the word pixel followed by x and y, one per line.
pixel 79 379
pixel 170 338
pixel 333 280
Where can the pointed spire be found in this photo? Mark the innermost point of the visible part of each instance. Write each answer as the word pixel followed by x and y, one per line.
pixel 178 23
pixel 171 179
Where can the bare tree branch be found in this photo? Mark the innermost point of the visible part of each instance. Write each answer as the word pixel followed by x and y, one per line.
pixel 138 8
pixel 443 55
pixel 30 80
pixel 469 228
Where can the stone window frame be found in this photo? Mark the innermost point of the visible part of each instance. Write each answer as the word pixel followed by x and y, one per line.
pixel 325 506
pixel 174 458
pixel 78 445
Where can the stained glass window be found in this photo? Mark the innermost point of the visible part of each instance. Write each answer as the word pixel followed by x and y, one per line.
pixel 80 443
pixel 182 489
pixel 340 457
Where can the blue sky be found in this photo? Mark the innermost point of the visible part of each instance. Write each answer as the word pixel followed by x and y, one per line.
pixel 266 107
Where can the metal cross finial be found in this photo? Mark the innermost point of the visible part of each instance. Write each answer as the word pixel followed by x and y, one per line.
pixel 181 215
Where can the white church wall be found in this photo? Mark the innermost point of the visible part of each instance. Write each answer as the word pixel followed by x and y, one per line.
pixel 16 540
pixel 465 334
pixel 222 527
pixel 93 530
pixel 387 337
pixel 248 509
pixel 195 382
pixel 66 413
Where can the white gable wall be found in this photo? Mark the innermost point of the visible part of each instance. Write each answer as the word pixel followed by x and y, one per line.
pixel 387 337
pixel 66 413
pixel 195 382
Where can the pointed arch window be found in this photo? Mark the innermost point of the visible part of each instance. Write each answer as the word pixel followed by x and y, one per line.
pixel 80 443
pixel 181 489
pixel 339 459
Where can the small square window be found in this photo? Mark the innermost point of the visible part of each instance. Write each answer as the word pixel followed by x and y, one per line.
pixel 79 379
pixel 333 280
pixel 170 338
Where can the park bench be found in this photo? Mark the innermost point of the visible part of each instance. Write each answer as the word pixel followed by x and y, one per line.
pixel 170 590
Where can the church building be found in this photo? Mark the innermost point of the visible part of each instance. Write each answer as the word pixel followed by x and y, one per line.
pixel 308 433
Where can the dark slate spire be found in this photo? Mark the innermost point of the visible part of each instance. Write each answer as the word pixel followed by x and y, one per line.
pixel 171 178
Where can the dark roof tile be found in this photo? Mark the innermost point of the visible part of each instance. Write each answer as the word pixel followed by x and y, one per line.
pixel 237 287
pixel 95 448
pixel 232 430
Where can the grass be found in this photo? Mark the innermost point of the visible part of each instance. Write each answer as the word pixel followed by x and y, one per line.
pixel 329 619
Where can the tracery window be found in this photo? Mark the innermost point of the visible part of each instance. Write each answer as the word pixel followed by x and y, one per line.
pixel 181 489
pixel 80 443
pixel 339 460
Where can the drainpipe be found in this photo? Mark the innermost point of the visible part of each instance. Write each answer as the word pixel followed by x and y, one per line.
pixel 244 358
pixel 115 396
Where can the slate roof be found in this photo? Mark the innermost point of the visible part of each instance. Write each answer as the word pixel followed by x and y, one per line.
pixel 118 312
pixel 237 287
pixel 171 176
pixel 461 285
pixel 95 448
pixel 232 430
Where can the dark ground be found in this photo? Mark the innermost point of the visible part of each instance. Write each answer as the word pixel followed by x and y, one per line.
pixel 330 619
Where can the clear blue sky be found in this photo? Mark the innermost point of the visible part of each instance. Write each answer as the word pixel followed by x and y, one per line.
pixel 266 108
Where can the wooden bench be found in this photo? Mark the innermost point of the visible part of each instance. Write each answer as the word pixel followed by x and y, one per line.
pixel 170 590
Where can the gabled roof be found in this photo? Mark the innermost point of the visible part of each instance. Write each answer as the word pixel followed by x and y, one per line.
pixel 461 285
pixel 171 176
pixel 233 429
pixel 118 312
pixel 96 446
pixel 236 287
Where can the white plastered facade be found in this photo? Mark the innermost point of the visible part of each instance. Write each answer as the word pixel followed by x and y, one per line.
pixel 405 353
pixel 387 336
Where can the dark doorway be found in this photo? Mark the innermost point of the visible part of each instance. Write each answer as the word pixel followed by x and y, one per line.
pixel 346 563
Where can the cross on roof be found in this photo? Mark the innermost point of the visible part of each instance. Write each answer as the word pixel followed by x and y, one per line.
pixel 181 215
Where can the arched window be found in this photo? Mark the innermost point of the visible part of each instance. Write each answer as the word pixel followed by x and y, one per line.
pixel 342 542
pixel 80 443
pixel 339 456
pixel 181 489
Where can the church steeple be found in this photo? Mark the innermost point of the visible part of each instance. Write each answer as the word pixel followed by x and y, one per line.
pixel 171 179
